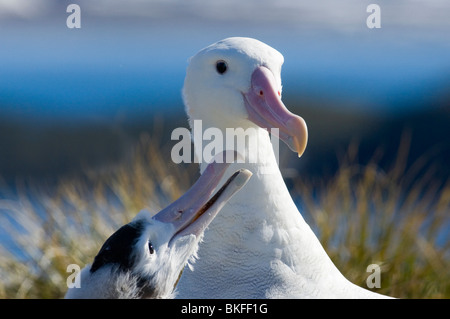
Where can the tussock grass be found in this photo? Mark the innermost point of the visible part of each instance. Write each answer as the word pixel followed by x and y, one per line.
pixel 67 224
pixel 397 218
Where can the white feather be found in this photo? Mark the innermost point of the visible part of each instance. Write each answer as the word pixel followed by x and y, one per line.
pixel 259 246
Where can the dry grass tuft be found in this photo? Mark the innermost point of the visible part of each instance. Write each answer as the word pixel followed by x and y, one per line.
pixel 50 229
pixel 398 218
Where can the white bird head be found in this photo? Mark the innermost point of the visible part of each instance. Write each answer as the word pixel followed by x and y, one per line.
pixel 236 82
pixel 144 259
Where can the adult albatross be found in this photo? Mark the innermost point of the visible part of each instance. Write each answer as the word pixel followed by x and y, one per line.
pixel 144 258
pixel 259 246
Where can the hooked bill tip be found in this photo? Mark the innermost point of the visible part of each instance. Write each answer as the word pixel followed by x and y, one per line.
pixel 299 131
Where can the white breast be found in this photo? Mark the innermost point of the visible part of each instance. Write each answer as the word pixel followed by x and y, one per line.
pixel 261 247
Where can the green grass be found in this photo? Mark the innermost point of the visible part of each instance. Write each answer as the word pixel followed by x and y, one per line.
pixel 363 215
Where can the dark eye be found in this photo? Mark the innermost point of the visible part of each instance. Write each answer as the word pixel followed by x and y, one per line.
pixel 150 247
pixel 221 66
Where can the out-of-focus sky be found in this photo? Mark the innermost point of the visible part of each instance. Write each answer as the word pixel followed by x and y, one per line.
pixel 71 96
pixel 129 57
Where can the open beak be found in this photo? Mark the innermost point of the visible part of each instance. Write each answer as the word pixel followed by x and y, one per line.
pixel 194 211
pixel 265 108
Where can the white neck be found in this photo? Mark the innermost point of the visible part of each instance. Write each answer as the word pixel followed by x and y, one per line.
pixel 259 245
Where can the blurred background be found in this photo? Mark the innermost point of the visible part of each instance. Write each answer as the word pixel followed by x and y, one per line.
pixel 73 97
pixel 75 100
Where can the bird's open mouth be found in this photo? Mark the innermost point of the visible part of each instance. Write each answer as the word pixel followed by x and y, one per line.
pixel 195 210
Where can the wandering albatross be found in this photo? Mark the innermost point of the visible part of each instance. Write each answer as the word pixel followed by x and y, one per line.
pixel 259 246
pixel 144 258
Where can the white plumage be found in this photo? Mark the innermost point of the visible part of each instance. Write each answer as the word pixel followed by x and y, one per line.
pixel 144 258
pixel 259 246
